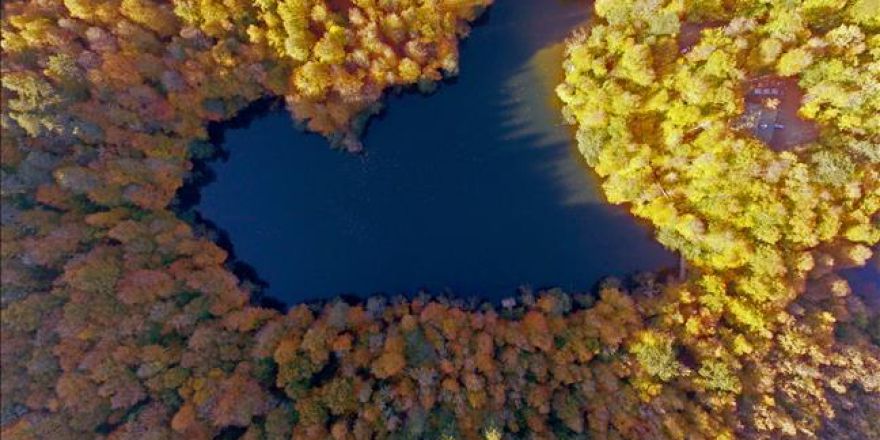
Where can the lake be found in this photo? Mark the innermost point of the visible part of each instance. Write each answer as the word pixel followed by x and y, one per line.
pixel 474 190
pixel 865 281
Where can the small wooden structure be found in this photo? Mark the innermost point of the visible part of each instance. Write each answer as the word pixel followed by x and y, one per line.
pixel 771 112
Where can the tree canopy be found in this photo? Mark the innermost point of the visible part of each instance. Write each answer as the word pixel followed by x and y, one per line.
pixel 121 319
pixel 761 229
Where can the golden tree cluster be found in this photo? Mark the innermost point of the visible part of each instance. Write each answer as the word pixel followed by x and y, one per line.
pixel 763 230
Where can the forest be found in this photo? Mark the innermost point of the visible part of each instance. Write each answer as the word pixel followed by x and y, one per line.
pixel 122 320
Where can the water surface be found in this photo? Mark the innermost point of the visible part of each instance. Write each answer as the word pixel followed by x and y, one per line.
pixel 865 281
pixel 475 189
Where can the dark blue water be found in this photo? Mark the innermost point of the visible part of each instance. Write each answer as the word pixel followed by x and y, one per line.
pixel 475 189
pixel 865 281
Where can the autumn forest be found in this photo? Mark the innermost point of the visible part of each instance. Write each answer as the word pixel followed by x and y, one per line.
pixel 744 133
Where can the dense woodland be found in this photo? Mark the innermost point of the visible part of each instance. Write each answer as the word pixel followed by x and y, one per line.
pixel 122 320
pixel 762 316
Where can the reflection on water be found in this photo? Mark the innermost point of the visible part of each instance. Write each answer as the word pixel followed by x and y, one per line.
pixel 475 189
pixel 535 111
